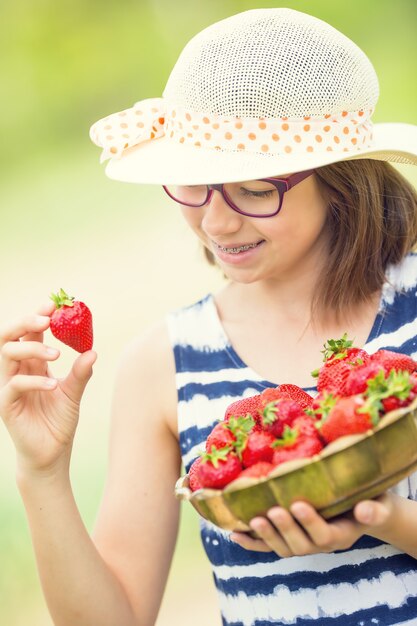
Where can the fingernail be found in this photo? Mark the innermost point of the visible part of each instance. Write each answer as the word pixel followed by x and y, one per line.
pixel 50 382
pixel 366 513
pixel 51 351
pixel 299 511
pixel 41 319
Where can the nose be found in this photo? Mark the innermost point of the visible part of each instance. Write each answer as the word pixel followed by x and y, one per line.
pixel 219 218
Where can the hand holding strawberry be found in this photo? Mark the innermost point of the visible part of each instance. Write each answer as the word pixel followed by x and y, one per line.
pixel 72 322
pixel 39 411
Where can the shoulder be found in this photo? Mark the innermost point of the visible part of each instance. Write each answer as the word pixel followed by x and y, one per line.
pixel 146 375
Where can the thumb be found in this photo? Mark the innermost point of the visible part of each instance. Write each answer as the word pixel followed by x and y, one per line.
pixel 372 512
pixel 74 384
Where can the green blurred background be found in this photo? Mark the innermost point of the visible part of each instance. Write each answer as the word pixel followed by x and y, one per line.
pixel 122 248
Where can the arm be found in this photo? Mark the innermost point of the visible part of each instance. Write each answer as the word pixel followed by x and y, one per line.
pixel 120 579
pixel 390 518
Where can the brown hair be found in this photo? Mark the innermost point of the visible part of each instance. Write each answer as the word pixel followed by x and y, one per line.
pixel 372 223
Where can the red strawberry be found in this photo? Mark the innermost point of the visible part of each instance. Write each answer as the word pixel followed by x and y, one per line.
pixel 220 436
pixel 270 394
pixel 71 322
pixel 243 407
pixel 300 441
pixel 297 394
pixel 340 358
pixel 394 361
pixel 357 381
pixel 218 468
pixel 349 416
pixel 231 433
pixel 332 377
pixel 322 403
pixel 394 391
pixel 258 470
pixel 342 349
pixel 258 447
pixel 280 413
pixel 192 475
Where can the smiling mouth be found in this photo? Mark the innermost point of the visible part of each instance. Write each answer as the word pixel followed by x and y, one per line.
pixel 236 250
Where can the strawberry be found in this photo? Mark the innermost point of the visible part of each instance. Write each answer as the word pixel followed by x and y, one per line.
pixel 258 470
pixel 279 413
pixel 232 433
pixel 218 467
pixel 302 440
pixel 394 361
pixel 243 407
pixel 342 349
pixel 269 395
pixel 394 391
pixel 357 381
pixel 297 394
pixel 322 403
pixel 192 475
pixel 258 447
pixel 220 436
pixel 71 322
pixel 339 359
pixel 350 415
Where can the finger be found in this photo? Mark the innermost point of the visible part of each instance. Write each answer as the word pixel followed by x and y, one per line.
pixel 31 324
pixel 74 384
pixel 21 384
pixel 270 535
pixel 44 310
pixel 246 541
pixel 14 352
pixel 292 533
pixel 318 529
pixel 371 512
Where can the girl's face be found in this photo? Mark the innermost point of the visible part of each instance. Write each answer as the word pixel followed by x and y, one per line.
pixel 250 249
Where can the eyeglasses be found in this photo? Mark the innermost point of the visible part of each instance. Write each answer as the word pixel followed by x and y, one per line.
pixel 254 198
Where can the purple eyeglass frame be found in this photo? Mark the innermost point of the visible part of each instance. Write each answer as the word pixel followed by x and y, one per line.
pixel 282 185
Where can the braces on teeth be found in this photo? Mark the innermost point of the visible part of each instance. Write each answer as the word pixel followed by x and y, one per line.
pixel 240 249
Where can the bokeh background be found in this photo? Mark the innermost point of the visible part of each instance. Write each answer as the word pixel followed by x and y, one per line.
pixel 122 248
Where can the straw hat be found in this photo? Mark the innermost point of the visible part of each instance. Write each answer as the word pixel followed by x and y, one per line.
pixel 263 93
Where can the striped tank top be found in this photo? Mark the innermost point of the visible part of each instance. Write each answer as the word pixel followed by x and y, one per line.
pixel 372 582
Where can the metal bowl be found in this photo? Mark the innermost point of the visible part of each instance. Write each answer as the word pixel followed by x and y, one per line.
pixel 348 470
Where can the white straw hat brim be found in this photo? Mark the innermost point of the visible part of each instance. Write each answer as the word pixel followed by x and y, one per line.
pixel 164 162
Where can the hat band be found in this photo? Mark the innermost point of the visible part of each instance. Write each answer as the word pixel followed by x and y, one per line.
pixel 153 118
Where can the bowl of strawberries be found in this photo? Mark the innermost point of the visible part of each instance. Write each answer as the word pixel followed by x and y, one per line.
pixel 355 439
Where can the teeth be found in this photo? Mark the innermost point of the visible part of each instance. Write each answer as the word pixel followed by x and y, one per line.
pixel 239 249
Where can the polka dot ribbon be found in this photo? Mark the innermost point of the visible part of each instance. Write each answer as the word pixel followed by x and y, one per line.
pixel 153 118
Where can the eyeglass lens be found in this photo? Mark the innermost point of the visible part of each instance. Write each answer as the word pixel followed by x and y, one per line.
pixel 257 197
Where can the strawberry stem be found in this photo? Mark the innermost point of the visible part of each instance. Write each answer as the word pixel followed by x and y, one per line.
pixel 62 299
pixel 336 348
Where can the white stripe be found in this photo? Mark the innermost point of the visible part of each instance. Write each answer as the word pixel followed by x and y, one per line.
pixel 218 376
pixel 395 338
pixel 403 276
pixel 185 327
pixel 286 607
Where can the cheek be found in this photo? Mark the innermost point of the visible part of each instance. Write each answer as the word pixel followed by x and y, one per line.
pixel 300 226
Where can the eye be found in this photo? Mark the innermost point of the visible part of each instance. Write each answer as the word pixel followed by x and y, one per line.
pixel 267 193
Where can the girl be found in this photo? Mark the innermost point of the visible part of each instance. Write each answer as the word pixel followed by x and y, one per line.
pixel 264 138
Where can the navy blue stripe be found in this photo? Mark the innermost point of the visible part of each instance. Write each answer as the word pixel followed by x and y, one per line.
pixel 190 359
pixel 216 390
pixel 370 570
